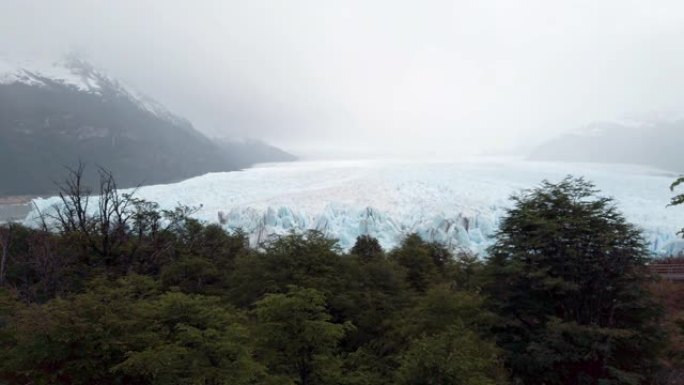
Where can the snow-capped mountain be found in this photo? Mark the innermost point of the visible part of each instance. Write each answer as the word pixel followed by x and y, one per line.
pixel 52 116
pixel 79 75
pixel 657 141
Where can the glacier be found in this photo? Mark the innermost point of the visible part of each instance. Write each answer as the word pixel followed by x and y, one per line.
pixel 455 202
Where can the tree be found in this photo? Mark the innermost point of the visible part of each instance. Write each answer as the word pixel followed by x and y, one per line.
pixel 456 356
pixel 101 229
pixel 677 199
pixel 306 260
pixel 36 269
pixel 5 242
pixel 296 338
pixel 424 262
pixel 567 278
pixel 443 338
pixel 367 248
pixel 74 340
pixel 189 339
pixel 127 332
pixel 442 307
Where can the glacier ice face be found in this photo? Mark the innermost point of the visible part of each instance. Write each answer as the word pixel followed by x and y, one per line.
pixel 458 203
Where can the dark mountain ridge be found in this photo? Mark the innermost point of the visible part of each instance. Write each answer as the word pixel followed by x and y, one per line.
pixel 657 143
pixel 48 123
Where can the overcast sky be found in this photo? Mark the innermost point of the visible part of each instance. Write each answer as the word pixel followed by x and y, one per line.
pixel 457 76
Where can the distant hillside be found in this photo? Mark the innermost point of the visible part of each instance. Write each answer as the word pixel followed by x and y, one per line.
pixel 657 143
pixel 253 151
pixel 57 115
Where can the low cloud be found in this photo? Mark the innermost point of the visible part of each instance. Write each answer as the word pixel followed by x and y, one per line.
pixel 462 76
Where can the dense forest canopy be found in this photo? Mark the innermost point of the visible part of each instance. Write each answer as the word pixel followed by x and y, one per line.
pixel 130 294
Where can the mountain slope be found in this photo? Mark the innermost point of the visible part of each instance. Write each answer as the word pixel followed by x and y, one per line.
pixel 658 143
pixel 252 151
pixel 62 114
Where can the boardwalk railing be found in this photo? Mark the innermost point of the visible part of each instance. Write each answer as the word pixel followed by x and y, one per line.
pixel 671 271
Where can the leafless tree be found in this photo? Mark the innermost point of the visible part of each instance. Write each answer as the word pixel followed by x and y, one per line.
pixel 115 211
pixel 5 242
pixel 103 228
pixel 71 215
pixel 110 225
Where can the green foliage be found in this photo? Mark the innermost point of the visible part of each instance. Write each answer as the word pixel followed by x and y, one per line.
pixel 156 297
pixel 466 271
pixel 186 339
pixel 306 260
pixel 441 307
pixel 191 275
pixel 295 337
pixel 128 332
pixel 373 293
pixel 568 282
pixel 456 356
pixel 74 340
pixel 367 248
pixel 416 256
pixel 677 199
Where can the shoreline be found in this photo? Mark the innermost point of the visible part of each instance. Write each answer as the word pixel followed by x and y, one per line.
pixel 15 208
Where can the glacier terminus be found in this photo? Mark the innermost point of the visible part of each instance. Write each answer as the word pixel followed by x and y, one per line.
pixel 457 203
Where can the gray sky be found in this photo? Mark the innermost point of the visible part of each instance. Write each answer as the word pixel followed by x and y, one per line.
pixel 461 76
